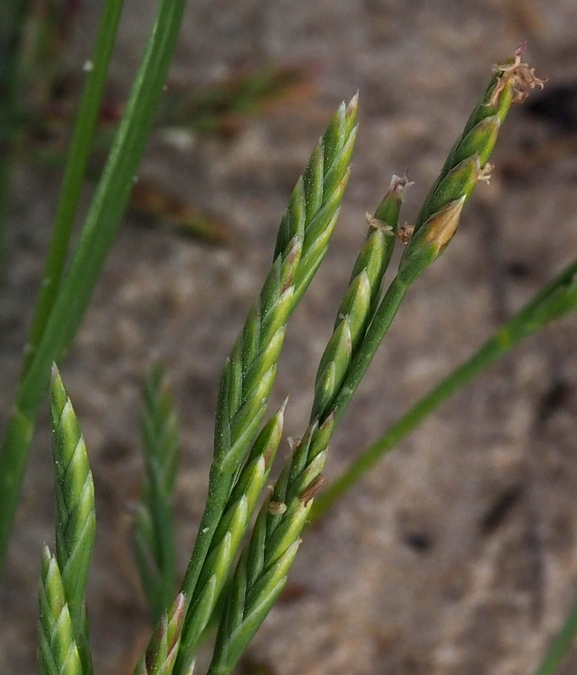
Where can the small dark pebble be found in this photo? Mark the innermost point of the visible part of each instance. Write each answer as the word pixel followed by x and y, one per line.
pixel 554 398
pixel 418 541
pixel 500 509
pixel 517 269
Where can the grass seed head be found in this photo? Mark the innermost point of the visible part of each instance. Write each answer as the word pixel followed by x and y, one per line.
pixel 516 75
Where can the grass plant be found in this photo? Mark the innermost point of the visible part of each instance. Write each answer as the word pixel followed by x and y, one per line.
pixel 236 572
pixel 155 547
pixel 63 644
pixel 84 268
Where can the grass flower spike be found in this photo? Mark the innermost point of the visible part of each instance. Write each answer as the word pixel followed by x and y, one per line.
pixel 57 650
pixel 161 653
pixel 249 373
pixel 63 645
pixel 439 217
pixel 154 532
pixel 230 532
pixel 362 321
pixel 75 517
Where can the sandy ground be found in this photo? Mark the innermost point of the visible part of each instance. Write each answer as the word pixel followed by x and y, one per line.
pixel 457 555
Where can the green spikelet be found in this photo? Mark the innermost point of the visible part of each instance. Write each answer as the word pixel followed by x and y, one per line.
pixel 249 373
pixel 361 298
pixel 161 653
pixel 228 536
pixel 75 517
pixel 57 650
pixel 154 532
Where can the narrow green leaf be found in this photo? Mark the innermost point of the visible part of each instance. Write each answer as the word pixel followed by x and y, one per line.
pixel 95 241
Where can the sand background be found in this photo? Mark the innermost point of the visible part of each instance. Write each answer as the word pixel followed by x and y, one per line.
pixel 487 483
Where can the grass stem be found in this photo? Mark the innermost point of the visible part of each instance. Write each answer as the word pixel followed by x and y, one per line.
pixel 561 644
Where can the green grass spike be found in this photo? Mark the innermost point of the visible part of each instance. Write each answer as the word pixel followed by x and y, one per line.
pixel 75 516
pixel 154 528
pixel 57 650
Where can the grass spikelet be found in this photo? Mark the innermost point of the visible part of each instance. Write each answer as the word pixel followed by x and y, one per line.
pixel 154 532
pixel 75 517
pixel 249 373
pixel 161 653
pixel 229 534
pixel 57 650
pixel 440 214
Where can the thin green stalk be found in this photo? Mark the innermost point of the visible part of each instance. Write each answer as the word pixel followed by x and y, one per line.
pixel 154 529
pixel 95 241
pixel 555 300
pixel 561 644
pixel 75 517
pixel 73 179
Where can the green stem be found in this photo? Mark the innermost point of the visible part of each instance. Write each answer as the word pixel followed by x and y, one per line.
pixel 96 239
pixel 561 644
pixel 556 299
pixel 79 152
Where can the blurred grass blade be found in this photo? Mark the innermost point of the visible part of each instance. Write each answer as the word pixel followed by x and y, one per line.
pixel 75 518
pixel 154 536
pixel 560 646
pixel 223 106
pixel 73 179
pixel 13 14
pixel 57 650
pixel 95 241
pixel 152 202
pixel 554 301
